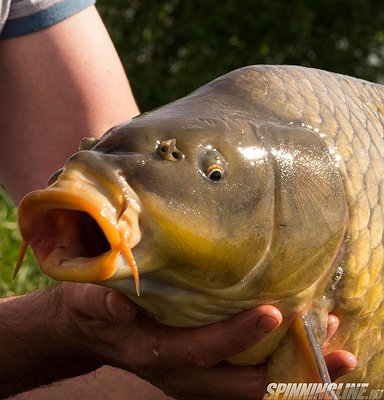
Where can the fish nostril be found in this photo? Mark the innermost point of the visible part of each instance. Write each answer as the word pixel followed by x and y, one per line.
pixel 167 150
pixel 87 143
pixel 54 176
pixel 178 155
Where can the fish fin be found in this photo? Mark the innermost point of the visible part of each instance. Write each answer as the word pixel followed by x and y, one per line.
pixel 309 357
pixel 23 248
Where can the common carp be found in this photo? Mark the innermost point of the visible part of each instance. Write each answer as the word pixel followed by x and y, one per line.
pixel 265 186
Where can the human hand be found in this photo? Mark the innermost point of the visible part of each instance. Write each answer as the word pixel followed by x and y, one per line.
pixel 184 363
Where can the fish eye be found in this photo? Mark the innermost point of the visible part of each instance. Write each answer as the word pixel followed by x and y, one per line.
pixel 215 172
pixel 213 165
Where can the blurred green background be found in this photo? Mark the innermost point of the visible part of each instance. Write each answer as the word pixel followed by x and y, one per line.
pixel 171 47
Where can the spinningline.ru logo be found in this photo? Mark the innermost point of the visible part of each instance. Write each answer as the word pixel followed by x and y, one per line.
pixel 321 391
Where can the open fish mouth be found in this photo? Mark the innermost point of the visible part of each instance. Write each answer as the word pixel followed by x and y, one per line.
pixel 83 227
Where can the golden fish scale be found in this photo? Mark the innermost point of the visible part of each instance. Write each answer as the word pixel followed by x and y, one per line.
pixel 348 114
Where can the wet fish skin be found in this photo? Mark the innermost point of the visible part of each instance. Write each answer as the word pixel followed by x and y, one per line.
pixel 303 190
pixel 251 202
pixel 348 115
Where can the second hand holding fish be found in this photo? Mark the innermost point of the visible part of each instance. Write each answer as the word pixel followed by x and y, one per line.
pixel 161 354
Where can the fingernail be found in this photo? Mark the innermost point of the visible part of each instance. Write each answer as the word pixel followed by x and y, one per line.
pixel 332 320
pixel 119 307
pixel 108 301
pixel 266 324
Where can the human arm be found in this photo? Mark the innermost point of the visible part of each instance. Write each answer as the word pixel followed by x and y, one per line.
pixel 57 86
pixel 30 353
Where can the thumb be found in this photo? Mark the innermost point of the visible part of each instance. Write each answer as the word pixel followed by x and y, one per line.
pixel 98 302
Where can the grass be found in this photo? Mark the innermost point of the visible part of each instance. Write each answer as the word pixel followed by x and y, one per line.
pixel 29 278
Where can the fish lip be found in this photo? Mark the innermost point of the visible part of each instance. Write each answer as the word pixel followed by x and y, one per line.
pixel 79 191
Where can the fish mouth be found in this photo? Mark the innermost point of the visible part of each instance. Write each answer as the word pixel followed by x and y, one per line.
pixel 82 228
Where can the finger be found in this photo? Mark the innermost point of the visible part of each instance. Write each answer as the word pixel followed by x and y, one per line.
pixel 120 306
pixel 339 363
pixel 98 303
pixel 206 346
pixel 224 382
pixel 332 325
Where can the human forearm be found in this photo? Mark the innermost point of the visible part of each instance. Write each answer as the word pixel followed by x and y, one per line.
pixel 58 85
pixel 32 352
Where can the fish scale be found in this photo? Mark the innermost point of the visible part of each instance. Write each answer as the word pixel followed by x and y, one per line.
pixel 347 113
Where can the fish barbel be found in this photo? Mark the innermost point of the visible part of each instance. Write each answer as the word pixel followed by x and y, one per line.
pixel 264 186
